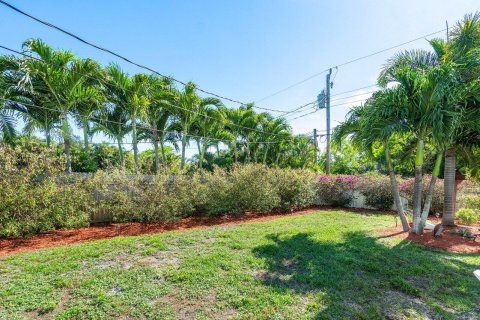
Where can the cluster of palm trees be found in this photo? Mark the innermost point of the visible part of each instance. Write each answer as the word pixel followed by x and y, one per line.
pixel 430 98
pixel 48 88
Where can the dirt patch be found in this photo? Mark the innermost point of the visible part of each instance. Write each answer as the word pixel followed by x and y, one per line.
pixel 449 241
pixel 68 236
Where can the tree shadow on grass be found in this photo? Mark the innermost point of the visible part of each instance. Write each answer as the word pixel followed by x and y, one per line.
pixel 360 277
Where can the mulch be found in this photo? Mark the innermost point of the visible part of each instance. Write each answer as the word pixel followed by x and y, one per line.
pixel 68 236
pixel 450 242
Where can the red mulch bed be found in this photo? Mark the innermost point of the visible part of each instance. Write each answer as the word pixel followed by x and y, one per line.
pixel 449 241
pixel 68 236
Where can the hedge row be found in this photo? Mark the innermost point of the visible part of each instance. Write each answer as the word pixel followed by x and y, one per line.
pixel 35 196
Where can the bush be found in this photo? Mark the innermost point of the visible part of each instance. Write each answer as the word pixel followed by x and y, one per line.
pixel 468 216
pixel 377 191
pixel 32 197
pixel 36 196
pixel 407 186
pixel 337 190
pixel 470 201
pixel 296 188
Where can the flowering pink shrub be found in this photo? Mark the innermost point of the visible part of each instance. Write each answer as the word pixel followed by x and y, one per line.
pixel 337 190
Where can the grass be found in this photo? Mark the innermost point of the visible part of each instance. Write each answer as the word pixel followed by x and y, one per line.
pixel 324 265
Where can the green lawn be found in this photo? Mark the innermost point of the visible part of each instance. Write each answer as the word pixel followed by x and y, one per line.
pixel 322 265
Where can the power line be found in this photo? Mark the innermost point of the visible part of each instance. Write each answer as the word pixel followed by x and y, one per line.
pixel 48 24
pixel 146 127
pixel 348 62
pixel 355 95
pixel 353 90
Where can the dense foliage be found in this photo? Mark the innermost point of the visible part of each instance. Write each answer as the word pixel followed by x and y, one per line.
pixel 37 196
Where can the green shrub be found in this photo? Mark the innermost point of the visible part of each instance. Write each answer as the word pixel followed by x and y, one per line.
pixel 296 188
pixel 377 192
pixel 468 216
pixel 470 201
pixel 32 196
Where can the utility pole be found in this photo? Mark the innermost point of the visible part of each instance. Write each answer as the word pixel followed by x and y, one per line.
pixel 327 102
pixel 315 142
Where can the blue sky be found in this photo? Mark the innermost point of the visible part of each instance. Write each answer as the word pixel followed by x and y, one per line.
pixel 246 49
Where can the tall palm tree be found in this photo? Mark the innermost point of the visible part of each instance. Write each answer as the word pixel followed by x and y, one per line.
pixel 159 116
pixel 190 108
pixel 426 88
pixel 377 122
pixel 130 94
pixel 60 80
pixel 86 108
pixel 240 123
pixel 462 51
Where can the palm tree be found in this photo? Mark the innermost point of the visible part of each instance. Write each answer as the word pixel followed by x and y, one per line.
pixel 190 108
pixel 60 82
pixel 462 50
pixel 240 123
pixel 377 122
pixel 114 123
pixel 86 108
pixel 426 89
pixel 159 115
pixel 204 128
pixel 274 129
pixel 130 94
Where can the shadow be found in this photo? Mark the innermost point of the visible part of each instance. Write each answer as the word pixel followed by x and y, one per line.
pixel 359 277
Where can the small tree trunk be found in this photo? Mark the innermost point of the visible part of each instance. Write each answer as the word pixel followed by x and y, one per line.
pixel 431 189
pixel 85 134
pixel 449 201
pixel 155 147
pixel 200 157
pixel 395 191
pixel 184 144
pixel 218 149
pixel 418 186
pixel 135 145
pixel 235 156
pixel 48 137
pixel 162 149
pixel 120 152
pixel 66 144
pixel 265 155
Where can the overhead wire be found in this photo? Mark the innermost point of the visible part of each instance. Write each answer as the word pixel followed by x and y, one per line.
pixel 122 57
pixel 349 62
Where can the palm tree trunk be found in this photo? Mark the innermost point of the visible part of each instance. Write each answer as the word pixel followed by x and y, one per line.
pixel 277 160
pixel 431 189
pixel 395 191
pixel 218 150
pixel 135 145
pixel 418 186
pixel 48 137
pixel 155 147
pixel 235 156
pixel 265 155
pixel 120 152
pixel 162 149
pixel 449 201
pixel 184 144
pixel 85 134
pixel 200 157
pixel 66 144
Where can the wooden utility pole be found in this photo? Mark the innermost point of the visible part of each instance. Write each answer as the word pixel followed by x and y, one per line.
pixel 327 102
